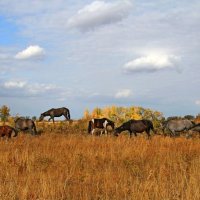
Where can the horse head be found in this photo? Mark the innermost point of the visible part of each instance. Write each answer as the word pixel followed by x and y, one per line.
pixel 41 117
pixel 118 130
pixel 111 123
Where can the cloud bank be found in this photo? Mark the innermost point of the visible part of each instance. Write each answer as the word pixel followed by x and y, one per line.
pixel 152 63
pixel 99 13
pixel 31 52
pixel 23 88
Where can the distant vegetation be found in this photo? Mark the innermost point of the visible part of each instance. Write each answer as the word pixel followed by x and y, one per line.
pixel 117 114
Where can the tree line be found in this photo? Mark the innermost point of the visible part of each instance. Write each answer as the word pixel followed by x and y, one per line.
pixel 117 114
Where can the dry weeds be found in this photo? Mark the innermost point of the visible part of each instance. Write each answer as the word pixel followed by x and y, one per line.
pixel 57 166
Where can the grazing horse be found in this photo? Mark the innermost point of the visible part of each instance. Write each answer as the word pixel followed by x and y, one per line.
pixel 23 124
pixel 135 126
pixel 7 131
pixel 196 129
pixel 178 125
pixel 101 123
pixel 56 112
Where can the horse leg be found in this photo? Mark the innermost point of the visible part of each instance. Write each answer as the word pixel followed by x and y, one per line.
pixel 92 132
pixel 148 133
pixel 51 118
pixel 130 133
pixel 9 135
pixel 101 133
pixel 106 132
pixel 173 133
pixel 135 134
pixel 35 130
pixel 31 131
pixel 163 131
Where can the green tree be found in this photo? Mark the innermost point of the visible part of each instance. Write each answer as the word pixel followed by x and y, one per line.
pixel 34 118
pixel 4 113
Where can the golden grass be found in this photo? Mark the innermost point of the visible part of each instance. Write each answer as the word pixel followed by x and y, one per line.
pixel 74 166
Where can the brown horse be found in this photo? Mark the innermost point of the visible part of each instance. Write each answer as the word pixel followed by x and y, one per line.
pixel 6 130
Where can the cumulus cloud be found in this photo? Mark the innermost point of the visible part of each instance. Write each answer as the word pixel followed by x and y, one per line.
pixel 124 93
pixel 30 52
pixel 99 13
pixel 152 63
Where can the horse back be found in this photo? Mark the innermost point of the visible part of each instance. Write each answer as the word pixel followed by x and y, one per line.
pixel 179 124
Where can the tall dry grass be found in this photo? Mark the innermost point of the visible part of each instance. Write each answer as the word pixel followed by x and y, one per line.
pixel 74 166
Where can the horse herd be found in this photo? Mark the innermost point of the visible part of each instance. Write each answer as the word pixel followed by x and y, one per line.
pixel 174 126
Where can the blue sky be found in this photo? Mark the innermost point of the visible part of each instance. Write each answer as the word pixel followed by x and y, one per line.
pixel 84 54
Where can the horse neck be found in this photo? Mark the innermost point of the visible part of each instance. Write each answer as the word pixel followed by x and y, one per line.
pixel 46 113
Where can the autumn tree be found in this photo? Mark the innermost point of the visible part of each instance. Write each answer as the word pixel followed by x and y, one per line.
pixel 4 113
pixel 97 113
pixel 86 114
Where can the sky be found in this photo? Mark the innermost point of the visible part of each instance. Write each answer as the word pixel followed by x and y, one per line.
pixel 83 54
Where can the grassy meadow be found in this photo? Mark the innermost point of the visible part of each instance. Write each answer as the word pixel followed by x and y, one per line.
pixel 66 163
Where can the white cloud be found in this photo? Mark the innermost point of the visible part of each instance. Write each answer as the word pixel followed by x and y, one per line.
pixel 124 93
pixel 24 88
pixel 99 13
pixel 34 51
pixel 152 62
pixel 197 102
pixel 14 84
pixel 41 88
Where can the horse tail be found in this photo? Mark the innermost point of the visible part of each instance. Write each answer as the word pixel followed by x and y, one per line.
pixel 151 126
pixel 69 114
pixel 89 126
pixel 34 128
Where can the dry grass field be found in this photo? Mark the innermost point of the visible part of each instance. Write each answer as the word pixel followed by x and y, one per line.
pixel 58 166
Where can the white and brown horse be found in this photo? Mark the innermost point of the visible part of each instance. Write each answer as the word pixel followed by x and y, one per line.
pixel 101 123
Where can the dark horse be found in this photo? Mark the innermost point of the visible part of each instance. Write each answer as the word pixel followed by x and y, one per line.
pixel 7 131
pixel 178 125
pixel 23 124
pixel 101 123
pixel 196 129
pixel 56 112
pixel 135 126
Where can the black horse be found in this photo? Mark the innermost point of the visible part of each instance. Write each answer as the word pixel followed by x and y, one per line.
pixel 101 123
pixel 135 126
pixel 56 112
pixel 23 124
